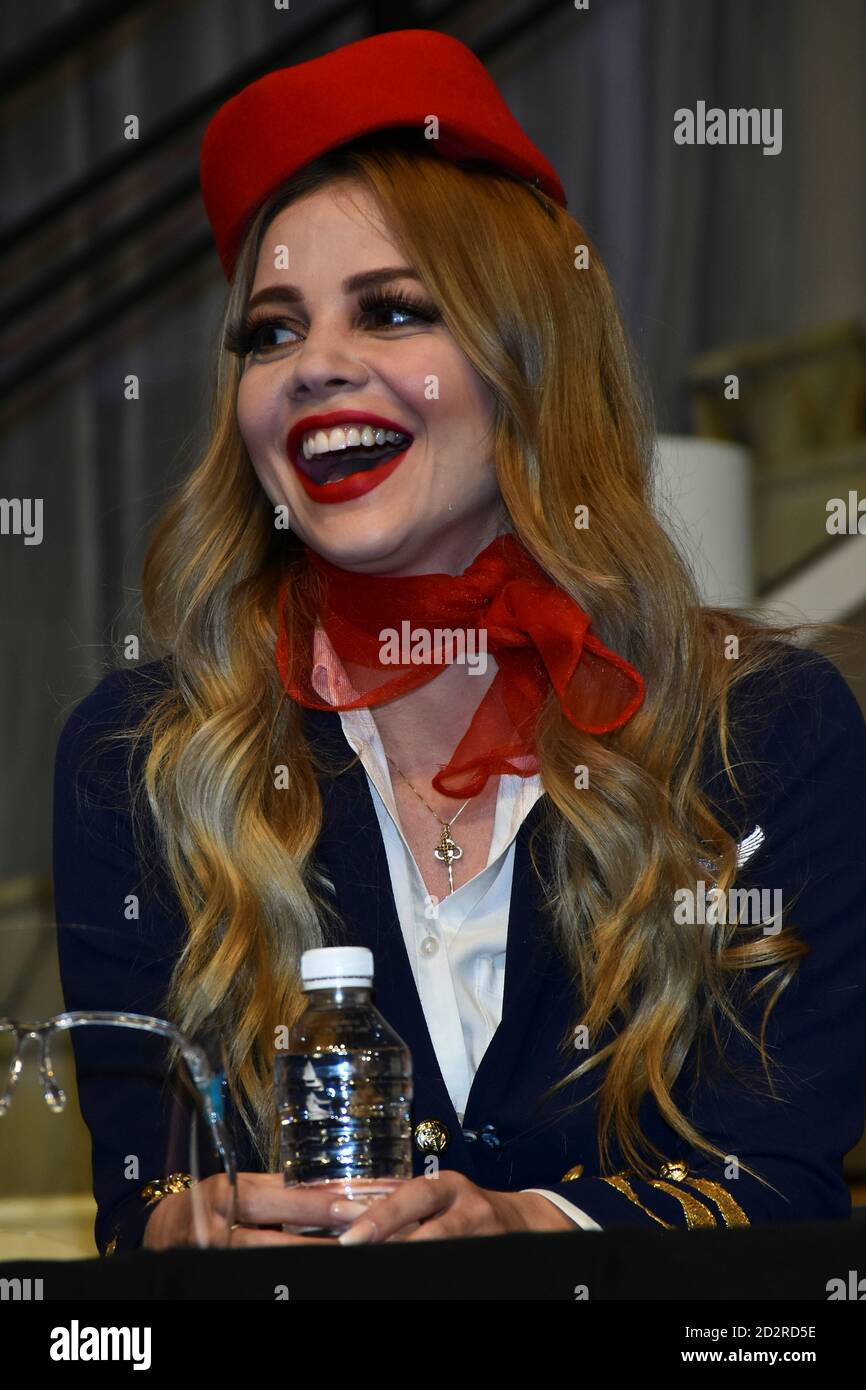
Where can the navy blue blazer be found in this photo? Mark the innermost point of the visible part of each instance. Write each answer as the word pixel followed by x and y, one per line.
pixel 805 785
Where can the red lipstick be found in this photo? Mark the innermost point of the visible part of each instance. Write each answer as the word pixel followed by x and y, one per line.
pixel 356 484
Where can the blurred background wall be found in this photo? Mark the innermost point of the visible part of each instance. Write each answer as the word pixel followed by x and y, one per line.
pixel 727 262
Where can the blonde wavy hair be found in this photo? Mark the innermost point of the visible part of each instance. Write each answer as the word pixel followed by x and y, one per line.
pixel 572 425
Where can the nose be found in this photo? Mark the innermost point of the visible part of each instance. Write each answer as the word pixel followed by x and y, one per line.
pixel 325 363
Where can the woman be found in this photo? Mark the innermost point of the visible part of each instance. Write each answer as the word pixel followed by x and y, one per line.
pixel 525 839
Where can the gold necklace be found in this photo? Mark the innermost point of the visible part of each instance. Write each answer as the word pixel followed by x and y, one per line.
pixel 446 849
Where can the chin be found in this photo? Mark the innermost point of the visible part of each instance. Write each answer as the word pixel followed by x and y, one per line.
pixel 358 542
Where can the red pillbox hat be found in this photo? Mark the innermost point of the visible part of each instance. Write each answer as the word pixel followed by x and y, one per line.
pixel 282 121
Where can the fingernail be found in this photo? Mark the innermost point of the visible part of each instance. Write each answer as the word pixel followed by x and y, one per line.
pixel 347 1210
pixel 359 1234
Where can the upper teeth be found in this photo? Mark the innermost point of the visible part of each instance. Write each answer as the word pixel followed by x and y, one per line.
pixel 324 441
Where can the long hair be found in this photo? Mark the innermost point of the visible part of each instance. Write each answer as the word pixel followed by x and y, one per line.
pixel 573 428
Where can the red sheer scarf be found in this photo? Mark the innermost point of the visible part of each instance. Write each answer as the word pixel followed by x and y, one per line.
pixel 393 634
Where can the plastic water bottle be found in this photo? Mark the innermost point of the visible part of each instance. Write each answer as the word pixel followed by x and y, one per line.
pixel 343 1084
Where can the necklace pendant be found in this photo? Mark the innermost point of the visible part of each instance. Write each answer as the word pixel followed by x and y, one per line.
pixel 447 849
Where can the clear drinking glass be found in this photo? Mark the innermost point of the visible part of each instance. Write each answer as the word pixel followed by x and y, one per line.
pixel 114 1067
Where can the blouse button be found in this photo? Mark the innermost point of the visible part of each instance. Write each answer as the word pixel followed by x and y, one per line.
pixel 429 946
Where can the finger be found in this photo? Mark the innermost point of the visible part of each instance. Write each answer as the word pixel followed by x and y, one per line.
pixel 264 1199
pixel 446 1227
pixel 416 1200
pixel 403 1234
pixel 345 1213
pixel 263 1235
pixel 348 1209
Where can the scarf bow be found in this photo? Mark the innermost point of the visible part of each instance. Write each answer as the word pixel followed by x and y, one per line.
pixel 393 634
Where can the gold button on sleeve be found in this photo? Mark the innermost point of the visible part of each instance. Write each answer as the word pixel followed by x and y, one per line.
pixel 674 1172
pixel 573 1173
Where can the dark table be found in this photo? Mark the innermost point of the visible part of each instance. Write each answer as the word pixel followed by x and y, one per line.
pixel 793 1262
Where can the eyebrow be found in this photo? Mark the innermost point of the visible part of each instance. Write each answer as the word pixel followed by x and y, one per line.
pixel 291 294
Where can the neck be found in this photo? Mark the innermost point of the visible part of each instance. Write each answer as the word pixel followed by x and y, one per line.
pixel 419 730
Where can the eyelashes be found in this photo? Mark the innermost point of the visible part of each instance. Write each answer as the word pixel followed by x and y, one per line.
pixel 244 336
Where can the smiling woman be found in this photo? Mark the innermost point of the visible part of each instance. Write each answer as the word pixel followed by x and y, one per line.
pixel 349 331
pixel 416 371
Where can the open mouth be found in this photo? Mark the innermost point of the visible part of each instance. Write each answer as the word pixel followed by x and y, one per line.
pixel 334 465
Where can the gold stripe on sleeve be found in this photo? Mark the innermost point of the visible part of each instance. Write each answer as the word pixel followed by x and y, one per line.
pixel 732 1212
pixel 624 1186
pixel 696 1213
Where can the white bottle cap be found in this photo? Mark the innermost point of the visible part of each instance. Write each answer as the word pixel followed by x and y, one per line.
pixel 332 967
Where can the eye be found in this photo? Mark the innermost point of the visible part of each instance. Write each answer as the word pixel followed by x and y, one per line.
pixel 377 303
pixel 260 335
pixel 253 333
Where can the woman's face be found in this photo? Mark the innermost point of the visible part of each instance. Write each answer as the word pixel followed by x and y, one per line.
pixel 324 345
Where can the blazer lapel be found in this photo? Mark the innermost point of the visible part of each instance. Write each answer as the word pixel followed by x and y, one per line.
pixel 526 969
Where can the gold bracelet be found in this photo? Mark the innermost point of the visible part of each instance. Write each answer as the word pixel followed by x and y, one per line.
pixel 158 1188
pixel 153 1192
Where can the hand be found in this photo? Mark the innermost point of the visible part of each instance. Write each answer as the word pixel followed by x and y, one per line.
pixel 447 1205
pixel 264 1203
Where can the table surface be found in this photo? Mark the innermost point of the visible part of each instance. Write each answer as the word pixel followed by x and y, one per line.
pixel 763 1262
